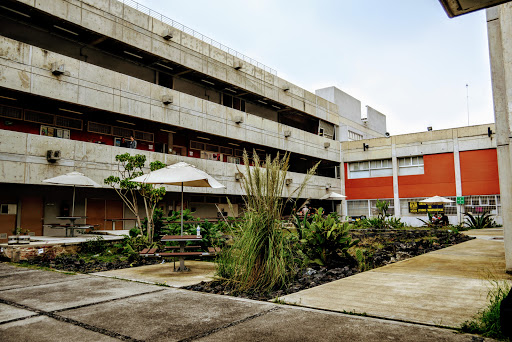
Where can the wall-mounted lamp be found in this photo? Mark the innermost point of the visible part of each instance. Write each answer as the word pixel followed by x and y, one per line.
pixel 238 176
pixel 489 132
pixel 288 181
pixel 429 128
pixel 286 87
pixel 327 144
pixel 365 147
pixel 167 99
pixel 287 134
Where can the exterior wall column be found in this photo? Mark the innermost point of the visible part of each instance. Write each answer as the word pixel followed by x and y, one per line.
pixel 344 211
pixel 396 195
pixel 499 30
pixel 458 181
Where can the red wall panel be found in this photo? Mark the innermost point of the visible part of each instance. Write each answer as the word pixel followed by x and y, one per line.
pixel 366 188
pixel 479 172
pixel 438 178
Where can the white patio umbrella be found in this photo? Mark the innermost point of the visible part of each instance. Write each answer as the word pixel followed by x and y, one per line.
pixel 73 179
pixel 333 196
pixel 180 174
pixel 436 199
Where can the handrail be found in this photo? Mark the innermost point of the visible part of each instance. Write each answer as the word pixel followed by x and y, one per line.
pixel 196 34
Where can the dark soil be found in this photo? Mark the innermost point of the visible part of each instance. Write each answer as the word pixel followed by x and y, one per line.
pixel 382 248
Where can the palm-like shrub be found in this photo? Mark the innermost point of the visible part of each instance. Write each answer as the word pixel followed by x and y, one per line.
pixel 479 221
pixel 326 238
pixel 261 258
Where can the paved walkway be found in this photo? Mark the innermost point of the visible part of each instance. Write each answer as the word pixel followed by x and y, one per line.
pixel 445 287
pixel 49 306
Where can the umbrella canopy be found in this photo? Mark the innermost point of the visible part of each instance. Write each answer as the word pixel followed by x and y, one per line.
pixel 436 199
pixel 73 179
pixel 180 174
pixel 333 196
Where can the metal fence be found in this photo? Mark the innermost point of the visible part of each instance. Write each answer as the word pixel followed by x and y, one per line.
pixel 197 35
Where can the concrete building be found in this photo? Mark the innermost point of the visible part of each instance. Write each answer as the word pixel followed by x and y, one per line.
pixel 404 169
pixel 77 76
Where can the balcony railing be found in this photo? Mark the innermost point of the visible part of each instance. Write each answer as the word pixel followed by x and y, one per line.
pixel 196 34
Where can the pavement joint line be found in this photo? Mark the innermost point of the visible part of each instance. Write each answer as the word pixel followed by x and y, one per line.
pixel 105 301
pixel 53 315
pixel 35 285
pixel 228 325
pixel 357 314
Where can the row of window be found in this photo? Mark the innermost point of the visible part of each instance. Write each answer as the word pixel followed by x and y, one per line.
pixel 473 204
pixel 384 168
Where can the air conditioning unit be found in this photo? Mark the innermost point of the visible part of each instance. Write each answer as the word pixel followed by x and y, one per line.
pixel 167 34
pixel 167 99
pixel 239 176
pixel 57 69
pixel 53 155
pixel 238 65
pixel 288 181
pixel 327 144
pixel 238 119
pixel 287 134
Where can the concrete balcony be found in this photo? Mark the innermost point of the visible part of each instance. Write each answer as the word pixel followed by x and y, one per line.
pixel 23 161
pixel 123 23
pixel 27 68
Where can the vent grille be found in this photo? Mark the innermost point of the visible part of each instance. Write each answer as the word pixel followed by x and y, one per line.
pixel 39 117
pixel 95 127
pixel 145 136
pixel 122 132
pixel 62 121
pixel 11 112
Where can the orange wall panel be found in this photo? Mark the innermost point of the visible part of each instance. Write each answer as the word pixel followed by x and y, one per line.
pixel 366 188
pixel 438 178
pixel 479 172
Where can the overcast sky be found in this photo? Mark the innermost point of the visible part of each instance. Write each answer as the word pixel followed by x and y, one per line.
pixel 404 58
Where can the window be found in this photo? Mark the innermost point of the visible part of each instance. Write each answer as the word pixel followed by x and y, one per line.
pixel 373 168
pixel 11 112
pixel 353 136
pixel 233 102
pixel 410 166
pixel 357 208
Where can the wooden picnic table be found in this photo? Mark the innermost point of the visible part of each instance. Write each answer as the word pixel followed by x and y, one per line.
pixel 182 239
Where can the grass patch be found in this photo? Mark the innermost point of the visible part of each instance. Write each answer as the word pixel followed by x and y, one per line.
pixel 487 321
pixel 26 264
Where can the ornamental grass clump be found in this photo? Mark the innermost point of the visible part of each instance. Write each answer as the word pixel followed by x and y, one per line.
pixel 261 257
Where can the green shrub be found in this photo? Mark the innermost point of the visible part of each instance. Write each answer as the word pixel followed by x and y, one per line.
pixel 487 322
pixel 479 221
pixel 325 238
pixel 95 245
pixel 261 258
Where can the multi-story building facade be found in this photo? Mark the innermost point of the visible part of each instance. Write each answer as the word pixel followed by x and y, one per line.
pixel 404 169
pixel 77 76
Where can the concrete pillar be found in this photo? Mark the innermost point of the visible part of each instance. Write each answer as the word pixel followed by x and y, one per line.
pixel 458 181
pixel 499 30
pixel 396 195
pixel 342 183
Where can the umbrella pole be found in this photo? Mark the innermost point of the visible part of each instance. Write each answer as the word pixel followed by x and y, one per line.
pixel 182 208
pixel 73 205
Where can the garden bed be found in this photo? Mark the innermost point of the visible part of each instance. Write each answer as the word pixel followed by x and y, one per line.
pixel 381 247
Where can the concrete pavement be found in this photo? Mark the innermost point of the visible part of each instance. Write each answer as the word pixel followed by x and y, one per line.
pixel 445 287
pixel 49 306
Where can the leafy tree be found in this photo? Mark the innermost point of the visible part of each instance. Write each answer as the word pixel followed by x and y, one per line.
pixel 128 167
